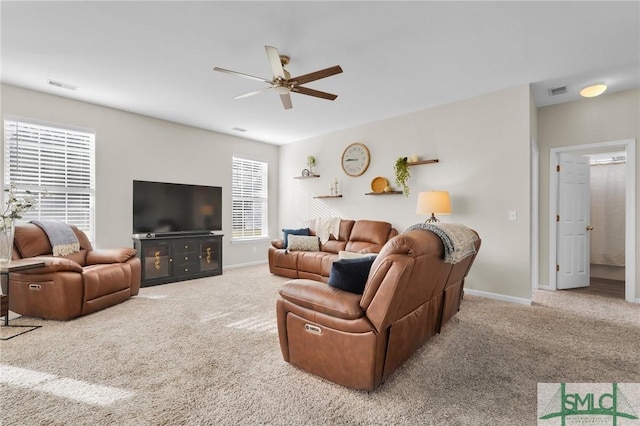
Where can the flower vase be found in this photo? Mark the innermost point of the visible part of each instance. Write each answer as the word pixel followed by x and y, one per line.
pixel 7 228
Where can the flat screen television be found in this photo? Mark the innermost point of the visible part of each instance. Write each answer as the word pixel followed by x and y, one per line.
pixel 171 208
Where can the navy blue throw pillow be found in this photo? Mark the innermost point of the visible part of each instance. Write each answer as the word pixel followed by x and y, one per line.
pixel 350 274
pixel 287 232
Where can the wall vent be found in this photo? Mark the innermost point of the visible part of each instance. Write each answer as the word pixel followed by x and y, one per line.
pixel 62 85
pixel 558 91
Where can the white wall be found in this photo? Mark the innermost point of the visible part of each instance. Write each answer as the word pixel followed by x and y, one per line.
pixel 131 146
pixel 610 117
pixel 483 145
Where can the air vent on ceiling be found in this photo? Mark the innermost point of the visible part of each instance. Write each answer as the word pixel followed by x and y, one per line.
pixel 558 91
pixel 62 85
pixel 239 129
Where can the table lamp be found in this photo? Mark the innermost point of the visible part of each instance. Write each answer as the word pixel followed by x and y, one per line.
pixel 432 202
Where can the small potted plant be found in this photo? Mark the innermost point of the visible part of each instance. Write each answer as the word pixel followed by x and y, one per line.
pixel 401 170
pixel 311 161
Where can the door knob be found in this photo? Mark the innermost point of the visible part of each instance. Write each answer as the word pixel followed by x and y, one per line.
pixel 589 228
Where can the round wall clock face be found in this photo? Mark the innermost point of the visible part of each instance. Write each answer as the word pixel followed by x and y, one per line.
pixel 355 159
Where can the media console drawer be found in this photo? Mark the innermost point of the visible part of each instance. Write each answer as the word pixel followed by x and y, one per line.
pixel 174 258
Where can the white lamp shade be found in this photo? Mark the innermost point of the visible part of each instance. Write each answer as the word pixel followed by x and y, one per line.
pixel 430 202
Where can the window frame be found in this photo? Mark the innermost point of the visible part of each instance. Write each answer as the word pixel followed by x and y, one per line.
pixel 57 163
pixel 251 194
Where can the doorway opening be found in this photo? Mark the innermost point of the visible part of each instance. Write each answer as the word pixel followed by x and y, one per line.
pixel 628 148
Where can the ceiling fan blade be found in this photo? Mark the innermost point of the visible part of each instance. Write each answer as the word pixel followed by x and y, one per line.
pixel 255 92
pixel 286 101
pixel 274 61
pixel 312 92
pixel 239 74
pixel 317 75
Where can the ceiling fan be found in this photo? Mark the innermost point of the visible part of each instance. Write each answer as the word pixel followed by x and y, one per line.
pixel 282 83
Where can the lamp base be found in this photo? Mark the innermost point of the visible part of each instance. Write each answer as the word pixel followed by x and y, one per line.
pixel 432 219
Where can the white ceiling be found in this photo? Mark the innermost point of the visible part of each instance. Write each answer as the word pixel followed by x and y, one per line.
pixel 156 57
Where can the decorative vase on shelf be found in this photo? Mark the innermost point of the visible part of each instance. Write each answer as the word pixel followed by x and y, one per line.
pixel 7 227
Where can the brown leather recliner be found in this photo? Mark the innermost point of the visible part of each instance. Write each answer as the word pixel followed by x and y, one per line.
pixel 358 340
pixel 356 236
pixel 70 286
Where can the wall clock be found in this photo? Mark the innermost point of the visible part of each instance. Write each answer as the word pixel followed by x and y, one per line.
pixel 355 159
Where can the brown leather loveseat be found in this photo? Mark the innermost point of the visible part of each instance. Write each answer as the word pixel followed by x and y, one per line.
pixel 361 236
pixel 73 285
pixel 358 340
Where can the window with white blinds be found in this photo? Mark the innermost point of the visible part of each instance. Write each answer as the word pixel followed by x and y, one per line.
pixel 250 199
pixel 58 166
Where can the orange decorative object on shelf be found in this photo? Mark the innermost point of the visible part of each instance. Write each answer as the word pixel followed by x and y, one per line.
pixel 379 183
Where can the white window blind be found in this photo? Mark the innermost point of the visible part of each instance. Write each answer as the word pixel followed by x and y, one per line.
pixel 249 198
pixel 58 166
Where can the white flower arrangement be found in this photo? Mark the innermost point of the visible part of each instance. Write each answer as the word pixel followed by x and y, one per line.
pixel 16 206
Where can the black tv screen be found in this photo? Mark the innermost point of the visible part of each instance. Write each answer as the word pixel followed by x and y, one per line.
pixel 160 207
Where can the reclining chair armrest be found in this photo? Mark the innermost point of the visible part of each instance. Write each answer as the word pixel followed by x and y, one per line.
pixel 54 264
pixel 322 298
pixel 277 243
pixel 117 255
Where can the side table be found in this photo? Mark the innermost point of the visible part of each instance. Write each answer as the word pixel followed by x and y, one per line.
pixel 5 270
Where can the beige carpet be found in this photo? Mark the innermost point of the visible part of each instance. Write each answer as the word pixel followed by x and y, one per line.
pixel 206 352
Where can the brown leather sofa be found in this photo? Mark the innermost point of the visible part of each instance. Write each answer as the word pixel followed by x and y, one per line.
pixel 361 236
pixel 70 286
pixel 358 340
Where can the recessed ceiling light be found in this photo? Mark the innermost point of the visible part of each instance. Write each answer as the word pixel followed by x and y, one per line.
pixel 593 90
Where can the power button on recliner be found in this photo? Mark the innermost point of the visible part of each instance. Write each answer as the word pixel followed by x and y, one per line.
pixel 312 329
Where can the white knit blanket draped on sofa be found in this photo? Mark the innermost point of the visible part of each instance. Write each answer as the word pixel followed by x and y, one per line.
pixel 324 227
pixel 458 240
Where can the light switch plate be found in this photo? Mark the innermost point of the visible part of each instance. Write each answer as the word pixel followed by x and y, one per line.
pixel 513 215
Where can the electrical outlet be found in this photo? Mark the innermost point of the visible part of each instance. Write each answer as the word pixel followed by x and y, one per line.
pixel 513 215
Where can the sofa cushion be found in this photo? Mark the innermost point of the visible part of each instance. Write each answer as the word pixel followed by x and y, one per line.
pixel 287 232
pixel 350 274
pixel 368 236
pixel 342 254
pixel 303 243
pixel 54 264
pixel 30 240
pixel 105 279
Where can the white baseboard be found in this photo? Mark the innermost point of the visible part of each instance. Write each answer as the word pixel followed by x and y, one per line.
pixel 242 265
pixel 497 296
pixel 548 288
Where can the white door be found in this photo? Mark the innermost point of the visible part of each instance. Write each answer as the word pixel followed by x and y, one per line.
pixel 574 211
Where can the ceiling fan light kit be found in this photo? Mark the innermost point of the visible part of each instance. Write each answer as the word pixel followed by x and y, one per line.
pixel 281 89
pixel 282 83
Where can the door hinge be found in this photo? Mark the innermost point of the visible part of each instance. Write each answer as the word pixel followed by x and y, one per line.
pixel 557 218
pixel 558 168
pixel 557 268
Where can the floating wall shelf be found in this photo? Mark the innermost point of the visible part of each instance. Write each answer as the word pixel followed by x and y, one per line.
pixel 306 177
pixel 383 193
pixel 417 163
pixel 328 196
